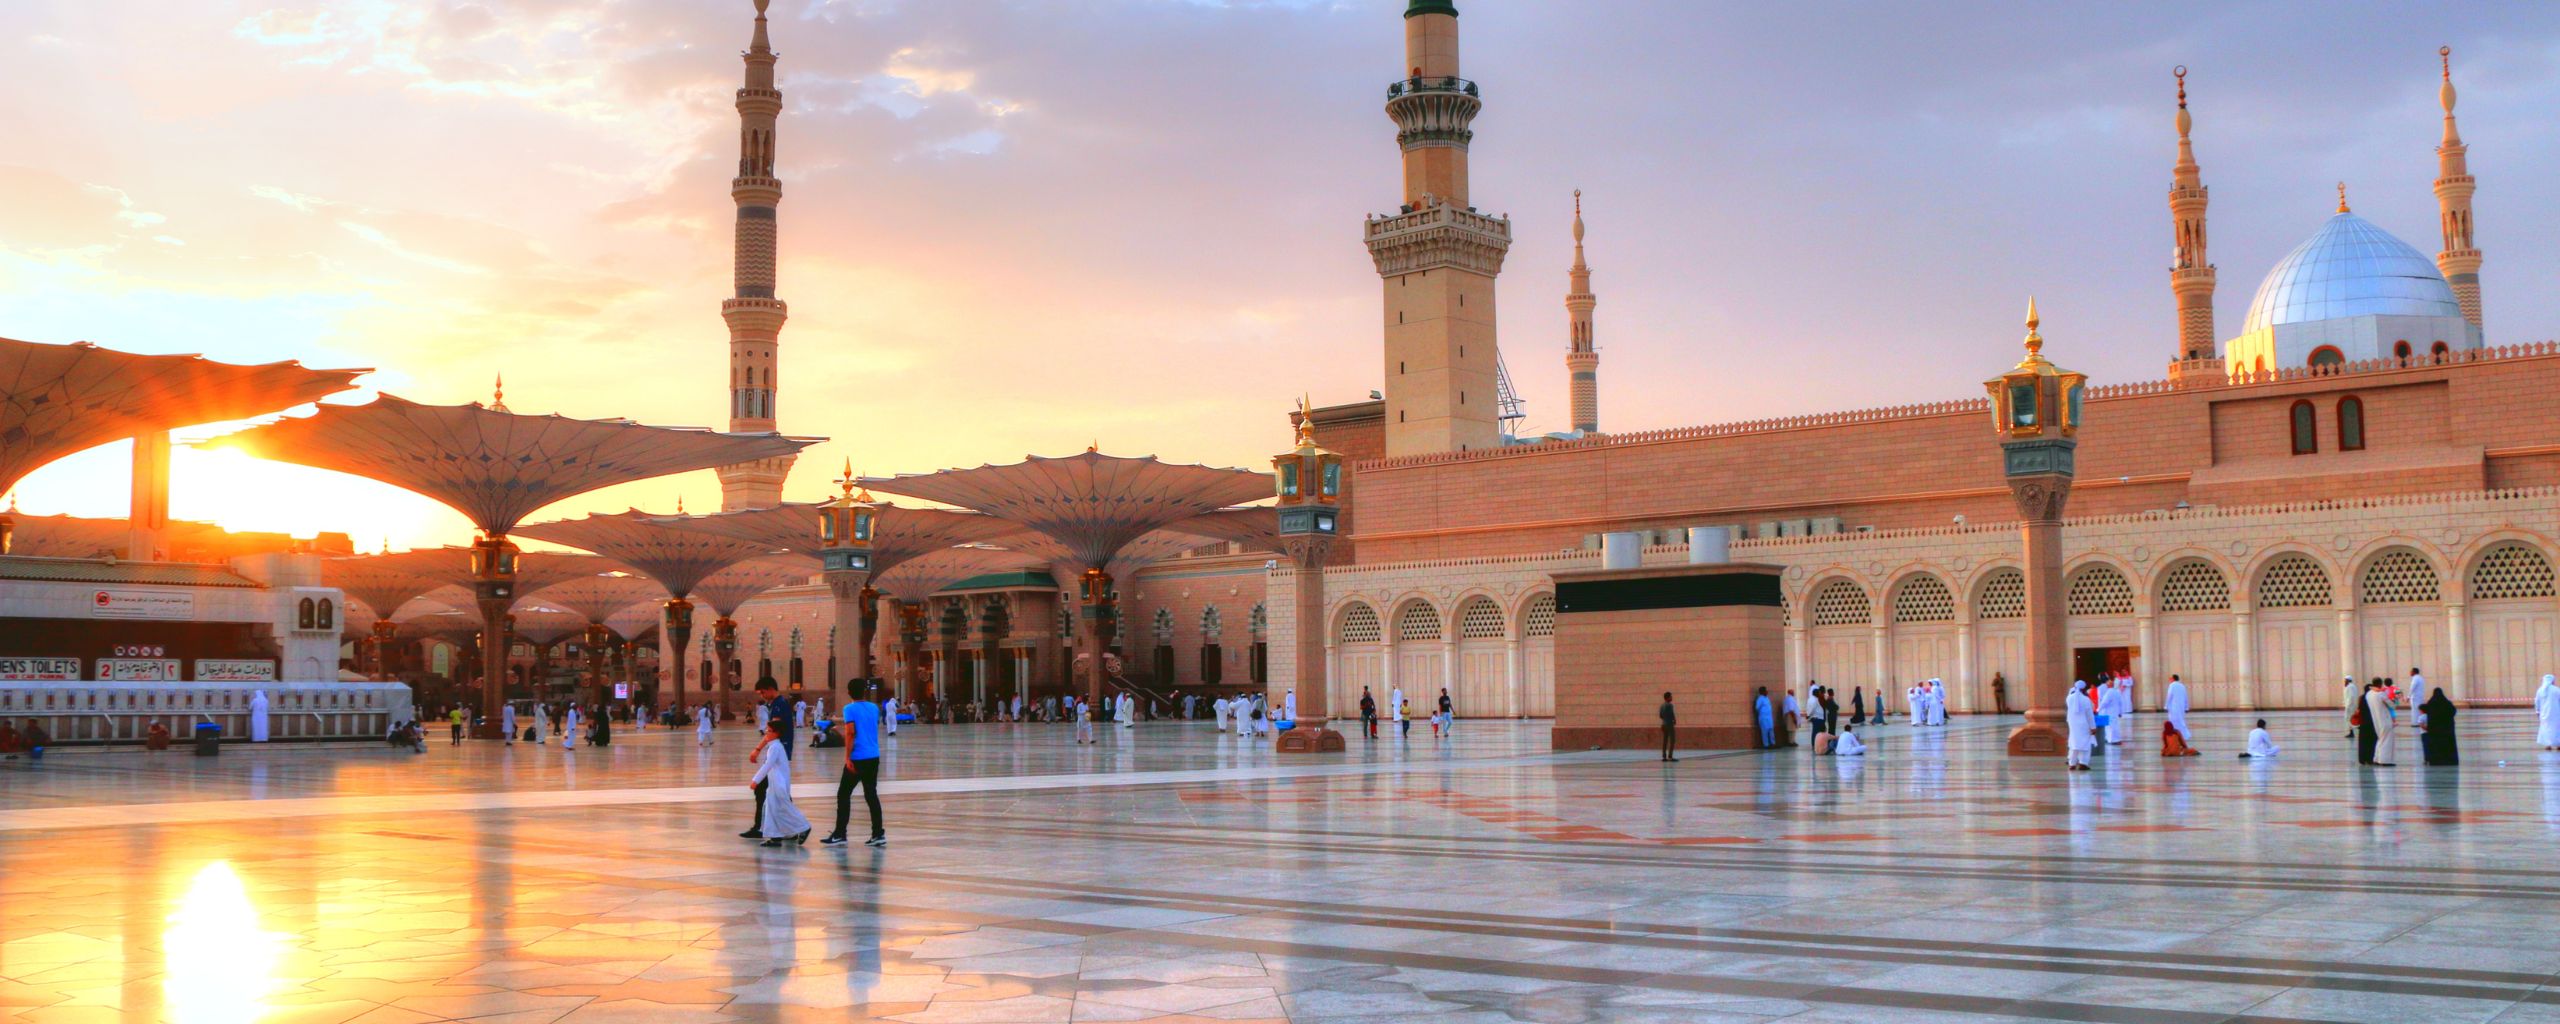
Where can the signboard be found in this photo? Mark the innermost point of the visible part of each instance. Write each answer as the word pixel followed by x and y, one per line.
pixel 235 670
pixel 40 668
pixel 142 604
pixel 622 691
pixel 138 670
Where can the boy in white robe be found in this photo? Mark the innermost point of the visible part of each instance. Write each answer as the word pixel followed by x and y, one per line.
pixel 507 722
pixel 1849 745
pixel 1289 706
pixel 702 726
pixel 889 716
pixel 1084 723
pixel 1218 713
pixel 2546 707
pixel 782 821
pixel 569 729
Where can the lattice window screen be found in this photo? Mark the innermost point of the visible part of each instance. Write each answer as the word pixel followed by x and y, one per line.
pixel 1360 625
pixel 1164 625
pixel 1418 621
pixel 2004 596
pixel 2511 571
pixel 1212 625
pixel 2399 576
pixel 1924 598
pixel 2195 587
pixel 1260 620
pixel 1481 619
pixel 2098 590
pixel 2294 581
pixel 1542 616
pixel 1842 603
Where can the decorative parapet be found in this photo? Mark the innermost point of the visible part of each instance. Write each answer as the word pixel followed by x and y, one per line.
pixel 1972 406
pixel 1439 235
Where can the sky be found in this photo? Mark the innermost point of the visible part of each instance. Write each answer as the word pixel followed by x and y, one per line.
pixel 1025 226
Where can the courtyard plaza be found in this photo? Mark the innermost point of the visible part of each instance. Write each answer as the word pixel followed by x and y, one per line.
pixel 1174 874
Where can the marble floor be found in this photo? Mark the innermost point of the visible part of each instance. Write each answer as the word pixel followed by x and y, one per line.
pixel 1171 874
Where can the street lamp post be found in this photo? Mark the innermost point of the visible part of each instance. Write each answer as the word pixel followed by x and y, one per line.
pixel 845 526
pixel 2036 409
pixel 493 588
pixel 1309 481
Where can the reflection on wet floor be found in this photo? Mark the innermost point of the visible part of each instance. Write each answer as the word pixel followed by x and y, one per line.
pixel 1175 875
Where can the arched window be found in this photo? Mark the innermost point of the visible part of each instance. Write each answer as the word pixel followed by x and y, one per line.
pixel 2098 590
pixel 1360 625
pixel 1923 598
pixel 2351 424
pixel 1842 603
pixel 2327 358
pixel 2003 595
pixel 1541 618
pixel 2400 350
pixel 2306 428
pixel 306 616
pixel 328 614
pixel 2438 351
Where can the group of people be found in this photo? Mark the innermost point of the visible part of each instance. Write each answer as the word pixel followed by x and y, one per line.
pixel 1443 717
pixel 570 721
pixel 2374 713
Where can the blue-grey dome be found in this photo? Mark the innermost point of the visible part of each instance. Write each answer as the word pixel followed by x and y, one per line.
pixel 2350 268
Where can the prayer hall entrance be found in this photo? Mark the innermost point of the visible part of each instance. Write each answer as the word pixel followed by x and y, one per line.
pixel 2089 663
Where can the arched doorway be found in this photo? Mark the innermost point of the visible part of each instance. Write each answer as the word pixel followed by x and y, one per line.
pixel 2000 639
pixel 2097 602
pixel 1484 662
pixel 2192 638
pixel 2400 622
pixel 1421 655
pixel 2297 642
pixel 1842 637
pixel 2512 622
pixel 1359 657
pixel 1924 632
pixel 1538 656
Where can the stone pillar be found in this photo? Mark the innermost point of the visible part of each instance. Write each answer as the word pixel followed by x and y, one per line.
pixel 1515 679
pixel 2347 644
pixel 1798 665
pixel 1966 671
pixel 2244 656
pixel 147 529
pixel 2041 497
pixel 1096 615
pixel 1881 652
pixel 2143 676
pixel 1310 734
pixel 2458 635
pixel 845 649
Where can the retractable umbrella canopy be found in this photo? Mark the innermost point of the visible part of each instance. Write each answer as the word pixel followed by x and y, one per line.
pixel 678 559
pixel 898 533
pixel 1091 504
pixel 493 466
pixel 59 399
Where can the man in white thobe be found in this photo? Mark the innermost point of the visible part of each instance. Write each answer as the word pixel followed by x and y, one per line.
pixel 1938 702
pixel 258 717
pixel 799 714
pixel 2417 699
pixel 2261 744
pixel 541 721
pixel 1395 704
pixel 507 722
pixel 569 729
pixel 2378 710
pixel 1848 745
pixel 2079 717
pixel 1127 712
pixel 1218 713
pixel 889 716
pixel 2175 704
pixel 2546 707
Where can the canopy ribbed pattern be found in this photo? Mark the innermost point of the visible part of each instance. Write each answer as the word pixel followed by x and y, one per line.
pixel 678 559
pixel 545 625
pixel 897 534
pixel 59 399
pixel 725 590
pixel 1091 504
pixel 535 570
pixel 635 620
pixel 1258 529
pixel 598 597
pixel 919 577
pixel 495 467
pixel 382 586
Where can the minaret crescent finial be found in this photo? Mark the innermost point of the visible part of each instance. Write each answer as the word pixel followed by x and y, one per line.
pixel 2181 72
pixel 2035 340
pixel 2342 197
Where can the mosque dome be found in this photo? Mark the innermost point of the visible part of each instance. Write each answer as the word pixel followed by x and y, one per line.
pixel 2350 268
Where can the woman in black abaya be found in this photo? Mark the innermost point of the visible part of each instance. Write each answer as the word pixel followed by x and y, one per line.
pixel 2437 737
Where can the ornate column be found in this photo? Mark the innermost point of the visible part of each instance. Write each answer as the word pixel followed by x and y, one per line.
pixel 2037 405
pixel 2142 653
pixel 1880 651
pixel 2244 654
pixel 1515 679
pixel 1095 612
pixel 844 557
pixel 2346 643
pixel 679 627
pixel 1966 671
pixel 1309 482
pixel 493 586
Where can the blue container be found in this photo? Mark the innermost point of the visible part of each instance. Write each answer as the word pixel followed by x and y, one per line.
pixel 208 739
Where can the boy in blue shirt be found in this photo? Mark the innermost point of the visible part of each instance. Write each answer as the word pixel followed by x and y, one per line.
pixel 861 769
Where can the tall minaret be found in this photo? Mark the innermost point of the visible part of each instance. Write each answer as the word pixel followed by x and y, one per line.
pixel 2190 273
pixel 1436 255
pixel 2459 261
pixel 1581 358
pixel 755 317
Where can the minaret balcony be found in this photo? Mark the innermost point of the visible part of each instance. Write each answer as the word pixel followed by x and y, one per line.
pixel 1415 86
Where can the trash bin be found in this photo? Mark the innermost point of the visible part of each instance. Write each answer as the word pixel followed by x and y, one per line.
pixel 208 739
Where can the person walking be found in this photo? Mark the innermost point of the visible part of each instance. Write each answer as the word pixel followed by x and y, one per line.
pixel 1670 725
pixel 2546 713
pixel 507 722
pixel 1368 713
pixel 1448 717
pixel 777 709
pixel 2379 711
pixel 2435 730
pixel 1857 705
pixel 861 771
pixel 702 726
pixel 2080 723
pixel 458 717
pixel 569 727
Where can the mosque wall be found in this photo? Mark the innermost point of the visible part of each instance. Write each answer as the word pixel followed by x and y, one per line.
pixel 1185 605
pixel 2256 607
pixel 2479 420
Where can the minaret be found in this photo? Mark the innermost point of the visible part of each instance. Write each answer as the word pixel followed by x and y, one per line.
pixel 2459 261
pixel 1580 358
pixel 1436 255
pixel 755 317
pixel 2190 272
